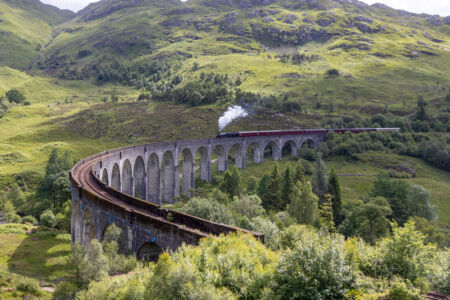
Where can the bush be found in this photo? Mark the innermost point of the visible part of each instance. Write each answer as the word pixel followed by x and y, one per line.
pixel 48 219
pixel 29 286
pixel 65 290
pixel 16 219
pixel 403 290
pixel 29 219
pixel 332 72
pixel 314 269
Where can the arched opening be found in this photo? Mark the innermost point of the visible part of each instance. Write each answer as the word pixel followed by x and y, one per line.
pixel 115 177
pixel 307 150
pixel 203 164
pixel 139 178
pixel 219 157
pixel 105 177
pixel 168 177
pixel 235 156
pixel 271 151
pixel 154 178
pixel 149 252
pixel 187 171
pixel 88 227
pixel 253 153
pixel 127 178
pixel 289 150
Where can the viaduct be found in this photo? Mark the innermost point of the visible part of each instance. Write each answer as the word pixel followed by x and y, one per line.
pixel 127 186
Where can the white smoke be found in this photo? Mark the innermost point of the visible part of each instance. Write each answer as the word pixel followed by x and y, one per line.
pixel 233 112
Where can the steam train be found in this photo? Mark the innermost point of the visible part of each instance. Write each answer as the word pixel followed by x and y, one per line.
pixel 301 131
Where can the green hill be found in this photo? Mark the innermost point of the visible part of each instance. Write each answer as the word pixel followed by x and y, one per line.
pixel 284 47
pixel 26 26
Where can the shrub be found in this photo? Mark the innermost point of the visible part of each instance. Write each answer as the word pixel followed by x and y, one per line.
pixel 403 290
pixel 16 219
pixel 48 219
pixel 29 219
pixel 315 268
pixel 332 72
pixel 29 286
pixel 65 290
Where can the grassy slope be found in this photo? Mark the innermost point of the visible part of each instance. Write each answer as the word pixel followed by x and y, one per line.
pixel 371 164
pixel 44 259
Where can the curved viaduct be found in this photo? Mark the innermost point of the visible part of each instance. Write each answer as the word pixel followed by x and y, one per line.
pixel 127 186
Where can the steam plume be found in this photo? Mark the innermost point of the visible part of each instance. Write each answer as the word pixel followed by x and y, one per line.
pixel 233 112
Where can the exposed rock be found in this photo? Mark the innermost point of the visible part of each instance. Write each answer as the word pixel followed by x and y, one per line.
pixel 99 11
pixel 289 19
pixel 231 24
pixel 381 55
pixel 180 11
pixel 428 52
pixel 359 46
pixel 363 19
pixel 447 20
pixel 435 20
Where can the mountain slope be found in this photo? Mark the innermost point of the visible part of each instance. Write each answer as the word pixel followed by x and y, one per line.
pixel 280 47
pixel 25 26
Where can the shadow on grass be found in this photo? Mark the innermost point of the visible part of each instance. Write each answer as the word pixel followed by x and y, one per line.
pixel 43 258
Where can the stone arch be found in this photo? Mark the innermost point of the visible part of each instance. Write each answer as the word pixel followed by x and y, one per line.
pixel 149 251
pixel 105 178
pixel 289 149
pixel 88 227
pixel 253 152
pixel 154 178
pixel 235 154
pixel 127 178
pixel 271 148
pixel 168 177
pixel 122 239
pixel 309 143
pixel 115 177
pixel 204 168
pixel 139 178
pixel 219 151
pixel 187 179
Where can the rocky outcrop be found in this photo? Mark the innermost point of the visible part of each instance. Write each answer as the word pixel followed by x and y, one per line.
pixel 446 20
pixel 435 20
pixel 231 24
pixel 98 11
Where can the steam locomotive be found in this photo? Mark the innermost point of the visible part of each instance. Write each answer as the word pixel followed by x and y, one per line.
pixel 301 131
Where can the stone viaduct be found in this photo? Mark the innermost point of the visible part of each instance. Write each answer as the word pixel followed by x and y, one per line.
pixel 127 186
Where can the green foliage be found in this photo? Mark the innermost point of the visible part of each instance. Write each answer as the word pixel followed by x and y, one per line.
pixel 286 189
pixel 320 178
pixel 299 172
pixel 403 290
pixel 268 228
pixel 29 286
pixel 315 268
pixel 48 219
pixel 16 219
pixel 252 184
pixel 396 192
pixel 17 197
pixel 29 219
pixel 334 189
pixel 435 233
pixel 367 219
pixel 272 197
pixel 231 182
pixel 225 267
pixel 262 186
pixel 8 211
pixel 208 209
pixel 89 263
pixel 15 96
pixel 249 206
pixel 326 214
pixel 304 204
pixel 419 203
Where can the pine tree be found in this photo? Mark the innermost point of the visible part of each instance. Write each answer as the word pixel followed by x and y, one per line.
pixel 320 180
pixel 326 214
pixel 334 189
pixel 236 181
pixel 273 193
pixel 231 183
pixel 304 204
pixel 286 190
pixel 299 172
pixel 261 190
pixel 16 196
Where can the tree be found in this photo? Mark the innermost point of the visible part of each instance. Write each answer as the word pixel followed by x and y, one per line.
pixel 48 219
pixel 304 204
pixel 286 190
pixel 396 192
pixel 8 211
pixel 17 197
pixel 14 96
pixel 261 190
pixel 299 172
pixel 326 214
pixel 320 180
pixel 231 182
pixel 419 203
pixel 421 112
pixel 334 189
pixel 273 193
pixel 314 269
pixel 252 184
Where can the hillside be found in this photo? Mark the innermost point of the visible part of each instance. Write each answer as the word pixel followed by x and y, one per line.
pixel 26 26
pixel 384 56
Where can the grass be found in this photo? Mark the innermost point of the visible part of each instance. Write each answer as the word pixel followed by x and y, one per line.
pixel 25 258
